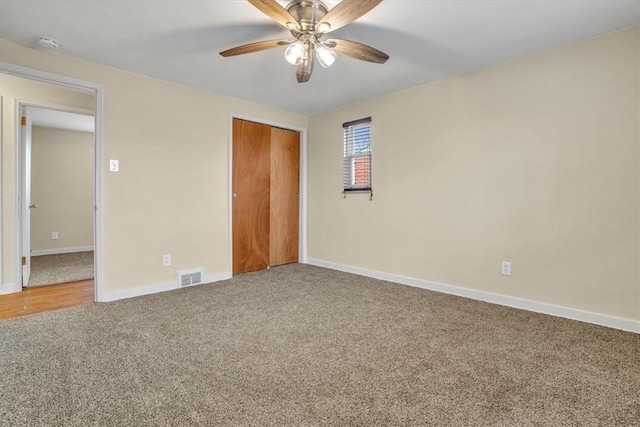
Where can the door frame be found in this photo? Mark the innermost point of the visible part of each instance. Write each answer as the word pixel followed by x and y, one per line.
pixel 98 92
pixel 24 187
pixel 302 221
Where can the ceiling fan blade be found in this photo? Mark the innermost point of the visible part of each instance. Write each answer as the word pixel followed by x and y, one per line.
pixel 359 51
pixel 273 10
pixel 254 47
pixel 346 12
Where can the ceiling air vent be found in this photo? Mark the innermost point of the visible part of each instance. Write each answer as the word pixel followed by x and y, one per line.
pixel 190 277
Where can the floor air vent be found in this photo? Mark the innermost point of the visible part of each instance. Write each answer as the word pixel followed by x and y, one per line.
pixel 190 277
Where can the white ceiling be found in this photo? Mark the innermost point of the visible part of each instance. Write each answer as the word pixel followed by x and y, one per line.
pixel 60 119
pixel 179 41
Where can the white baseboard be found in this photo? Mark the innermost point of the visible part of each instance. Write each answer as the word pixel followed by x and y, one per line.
pixel 524 304
pixel 61 250
pixel 154 289
pixel 10 288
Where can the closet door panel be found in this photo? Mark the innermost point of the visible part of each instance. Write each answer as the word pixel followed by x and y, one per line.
pixel 251 196
pixel 284 196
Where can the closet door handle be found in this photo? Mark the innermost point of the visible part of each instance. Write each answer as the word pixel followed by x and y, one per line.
pixel 235 194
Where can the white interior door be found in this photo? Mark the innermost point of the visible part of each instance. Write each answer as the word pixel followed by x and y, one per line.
pixel 26 205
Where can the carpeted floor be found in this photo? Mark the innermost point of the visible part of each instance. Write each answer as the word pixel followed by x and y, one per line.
pixel 61 268
pixel 304 346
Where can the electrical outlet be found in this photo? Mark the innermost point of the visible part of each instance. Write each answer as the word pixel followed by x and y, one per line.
pixel 114 165
pixel 166 260
pixel 506 268
pixel 54 235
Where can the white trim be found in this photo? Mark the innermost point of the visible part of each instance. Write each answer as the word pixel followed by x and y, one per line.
pixel 304 152
pixel 230 191
pixel 302 232
pixel 2 288
pixel 524 304
pixel 43 76
pixel 61 250
pixel 55 107
pixel 10 288
pixel 17 195
pixel 98 223
pixel 98 91
pixel 161 287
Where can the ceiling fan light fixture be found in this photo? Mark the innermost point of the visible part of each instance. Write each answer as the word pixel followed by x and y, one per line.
pixel 326 56
pixel 295 53
pixel 305 67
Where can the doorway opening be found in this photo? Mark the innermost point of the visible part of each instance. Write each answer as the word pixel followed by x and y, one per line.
pixel 38 218
pixel 57 192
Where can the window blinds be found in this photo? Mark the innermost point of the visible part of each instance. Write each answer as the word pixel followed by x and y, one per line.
pixel 357 155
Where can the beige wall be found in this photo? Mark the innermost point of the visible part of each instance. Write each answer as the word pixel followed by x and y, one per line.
pixel 535 161
pixel 171 194
pixel 61 188
pixel 13 89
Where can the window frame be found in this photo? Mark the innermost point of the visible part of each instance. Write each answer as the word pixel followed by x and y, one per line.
pixel 349 159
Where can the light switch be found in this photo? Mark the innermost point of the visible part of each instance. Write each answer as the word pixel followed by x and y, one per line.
pixel 114 165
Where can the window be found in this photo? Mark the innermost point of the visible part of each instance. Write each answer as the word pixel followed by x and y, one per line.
pixel 357 155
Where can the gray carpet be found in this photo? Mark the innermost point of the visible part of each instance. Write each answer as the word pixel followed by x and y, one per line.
pixel 61 268
pixel 305 346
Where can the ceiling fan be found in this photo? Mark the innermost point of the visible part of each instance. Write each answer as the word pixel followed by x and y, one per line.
pixel 309 21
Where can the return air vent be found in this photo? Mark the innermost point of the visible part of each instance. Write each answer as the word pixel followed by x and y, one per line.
pixel 190 277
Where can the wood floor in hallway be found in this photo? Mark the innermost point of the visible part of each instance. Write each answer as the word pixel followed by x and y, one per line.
pixel 46 298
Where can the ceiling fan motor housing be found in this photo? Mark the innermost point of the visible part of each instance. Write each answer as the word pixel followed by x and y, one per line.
pixel 308 13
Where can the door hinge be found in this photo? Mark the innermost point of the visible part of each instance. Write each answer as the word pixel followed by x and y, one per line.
pixel 24 121
pixel 24 260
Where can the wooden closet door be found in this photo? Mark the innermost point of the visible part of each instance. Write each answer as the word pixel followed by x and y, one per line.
pixel 251 196
pixel 285 200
